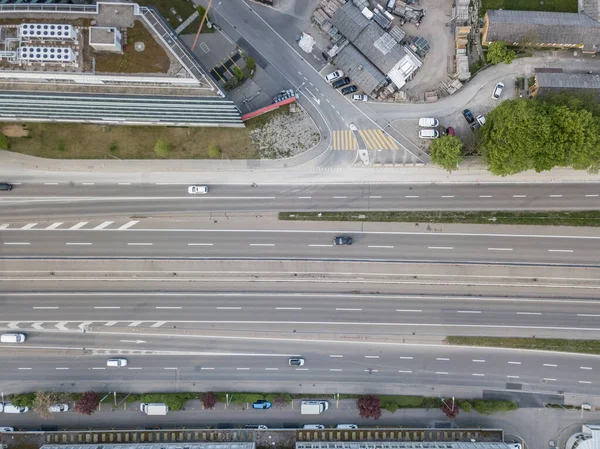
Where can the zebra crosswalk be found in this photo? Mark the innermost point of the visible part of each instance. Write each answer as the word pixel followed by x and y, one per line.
pixel 343 140
pixel 374 139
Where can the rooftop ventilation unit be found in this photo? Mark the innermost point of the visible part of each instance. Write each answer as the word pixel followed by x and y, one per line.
pixel 46 31
pixel 58 55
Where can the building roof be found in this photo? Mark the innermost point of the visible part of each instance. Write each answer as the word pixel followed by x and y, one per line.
pixel 362 71
pixel 544 27
pixel 102 35
pixel 381 48
pixel 350 21
pixel 591 8
pixel 567 81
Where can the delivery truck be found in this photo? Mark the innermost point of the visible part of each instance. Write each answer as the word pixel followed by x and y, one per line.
pixel 313 407
pixel 157 408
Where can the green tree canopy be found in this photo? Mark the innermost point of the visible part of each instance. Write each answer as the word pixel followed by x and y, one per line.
pixel 498 52
pixel 445 152
pixel 527 134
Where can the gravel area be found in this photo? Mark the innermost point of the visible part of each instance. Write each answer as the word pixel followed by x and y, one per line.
pixel 284 132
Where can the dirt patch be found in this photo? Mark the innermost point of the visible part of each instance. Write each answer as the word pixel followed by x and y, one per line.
pixel 273 438
pixel 282 133
pixel 14 131
pixel 21 440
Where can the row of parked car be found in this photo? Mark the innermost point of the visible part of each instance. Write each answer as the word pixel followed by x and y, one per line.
pixel 338 80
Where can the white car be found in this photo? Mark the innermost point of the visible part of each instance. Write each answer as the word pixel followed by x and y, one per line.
pixel 334 76
pixel 429 122
pixel 481 119
pixel 200 190
pixel 58 408
pixel 116 363
pixel 359 97
pixel 296 361
pixel 313 426
pixel 498 90
pixel 346 426
pixel 7 429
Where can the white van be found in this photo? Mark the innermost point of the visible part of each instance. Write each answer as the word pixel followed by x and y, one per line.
pixel 313 426
pixel 156 408
pixel 429 133
pixel 346 426
pixel 428 122
pixel 12 338
pixel 10 408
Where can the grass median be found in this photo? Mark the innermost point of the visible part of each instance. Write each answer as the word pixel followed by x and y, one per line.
pixel 539 218
pixel 544 344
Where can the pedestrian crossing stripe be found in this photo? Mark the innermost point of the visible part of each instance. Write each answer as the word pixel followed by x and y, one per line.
pixel 376 139
pixel 343 140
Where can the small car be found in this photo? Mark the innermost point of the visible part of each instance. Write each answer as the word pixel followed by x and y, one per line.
pixel 200 190
pixel 429 122
pixel 334 75
pixel 468 116
pixel 5 186
pixel 256 426
pixel 450 131
pixel 498 90
pixel 481 119
pixel 58 408
pixel 342 240
pixel 296 362
pixel 429 133
pixel 359 97
pixel 313 426
pixel 116 363
pixel 10 408
pixel 262 404
pixel 349 90
pixel 341 82
pixel 346 426
pixel 7 429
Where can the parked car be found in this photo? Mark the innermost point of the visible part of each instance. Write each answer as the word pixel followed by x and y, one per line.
pixel 450 131
pixel 349 90
pixel 58 408
pixel 261 404
pixel 429 133
pixel 200 190
pixel 359 97
pixel 346 426
pixel 296 362
pixel 498 90
pixel 10 408
pixel 334 75
pixel 313 426
pixel 342 240
pixel 481 119
pixel 468 116
pixel 428 122
pixel 341 82
pixel 7 429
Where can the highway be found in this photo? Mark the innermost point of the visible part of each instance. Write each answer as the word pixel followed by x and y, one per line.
pixel 91 199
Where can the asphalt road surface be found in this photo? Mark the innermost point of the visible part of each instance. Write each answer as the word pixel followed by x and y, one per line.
pixel 91 199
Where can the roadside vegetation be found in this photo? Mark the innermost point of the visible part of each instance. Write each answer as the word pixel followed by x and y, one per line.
pixel 530 5
pixel 543 344
pixel 537 218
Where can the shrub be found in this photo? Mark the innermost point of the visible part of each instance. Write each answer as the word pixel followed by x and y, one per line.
pixel 250 63
pixel 3 142
pixel 214 152
pixel 161 148
pixel 87 403
pixel 24 400
pixel 369 407
pixel 465 405
pixel 209 400
pixel 280 400
pixel 449 411
pixel 490 406
pixel 238 73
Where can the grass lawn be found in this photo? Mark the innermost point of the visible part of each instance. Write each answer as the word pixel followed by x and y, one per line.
pixel 530 5
pixel 183 9
pixel 546 344
pixel 76 141
pixel 542 218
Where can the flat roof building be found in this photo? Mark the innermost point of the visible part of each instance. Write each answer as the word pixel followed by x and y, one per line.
pixel 364 74
pixel 574 82
pixel 105 39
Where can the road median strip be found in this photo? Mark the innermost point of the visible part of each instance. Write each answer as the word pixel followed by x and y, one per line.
pixel 540 344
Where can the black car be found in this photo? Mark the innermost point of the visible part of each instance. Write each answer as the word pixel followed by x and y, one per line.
pixel 341 82
pixel 349 90
pixel 342 240
pixel 5 186
pixel 468 116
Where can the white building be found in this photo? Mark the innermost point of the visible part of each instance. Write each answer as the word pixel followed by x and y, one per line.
pixel 588 438
pixel 106 39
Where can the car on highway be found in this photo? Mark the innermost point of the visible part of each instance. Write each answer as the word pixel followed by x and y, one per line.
pixel 5 186
pixel 313 426
pixel 7 429
pixel 341 82
pixel 261 404
pixel 116 363
pixel 342 240
pixel 349 90
pixel 346 426
pixel 468 115
pixel 334 75
pixel 10 408
pixel 58 408
pixel 198 190
pixel 12 338
pixel 359 97
pixel 498 90
pixel 296 361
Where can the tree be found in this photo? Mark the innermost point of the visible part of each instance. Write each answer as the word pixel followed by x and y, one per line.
pixel 250 63
pixel 450 410
pixel 446 151
pixel 498 52
pixel 369 407
pixel 87 403
pixel 24 400
pixel 161 148
pixel 209 400
pixel 214 151
pixel 3 142
pixel 238 73
pixel 42 401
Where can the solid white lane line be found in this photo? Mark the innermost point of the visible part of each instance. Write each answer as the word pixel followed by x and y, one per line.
pixel 375 196
pixel 406 358
pixel 409 310
pixel 519 196
pixel 477 374
pixel 107 307
pixel 560 250
pixel 514 363
pixel 588 314
pixel 320 245
pixel 550 379
pixel 485 196
pixel 335 369
pixel 441 372
pixel 550 364
pixel 404 371
pixel 411 196
pixel 584 382
pixel 555 196
pixel 447 196
pixel 271 369
pixel 205 368
pixel 341 309
pixel 79 225
pixel 62 368
pixel 46 307
pixel 586 367
pixel 500 249
pixel 16 243
pixel 27 369
pixel 78 243
pixel 170 367
pixel 288 308
pixel 103 225
pixel 595 195
pixel 135 367
pixel 440 247
pixel 301 369
pixel 468 311
pixel 262 244
pixel 200 244
pixel 128 225
pixel 371 371
pixel 442 358
pixel 304 197
pixel 100 368
pixel 336 356
pixel 51 183
pixel 513 377
pixel 124 183
pixel 339 197
pixel 380 246
pixel 169 307
pixel 529 313
pixel 29 226
pixel 229 308
pixel 140 244
pixel 478 360
pixel 371 357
